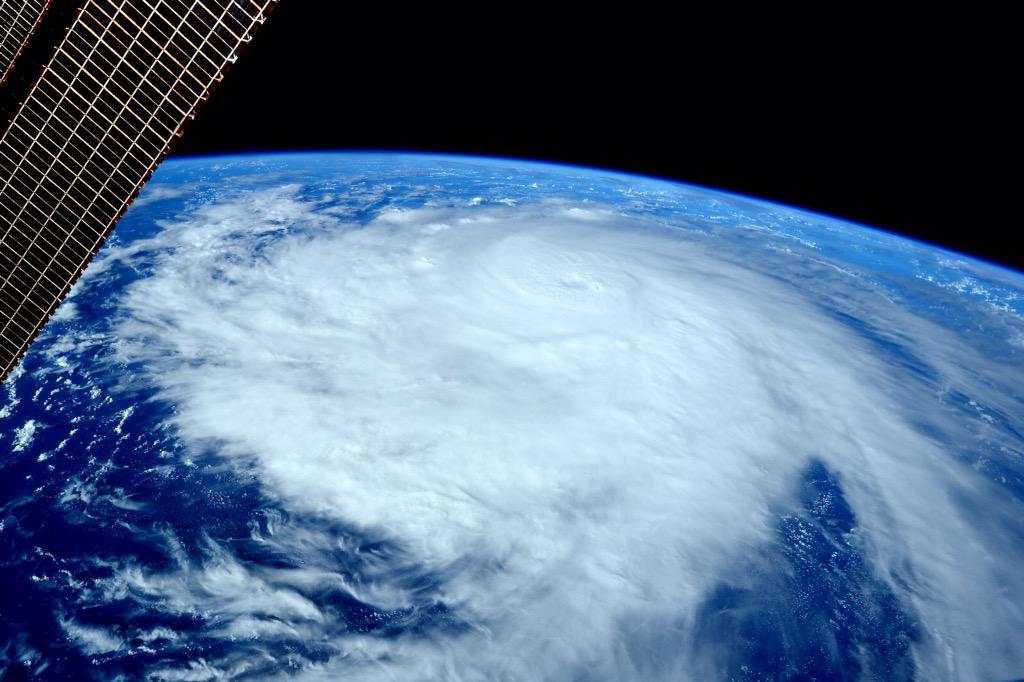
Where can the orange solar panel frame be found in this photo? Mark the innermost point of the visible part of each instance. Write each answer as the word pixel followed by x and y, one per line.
pixel 18 19
pixel 125 79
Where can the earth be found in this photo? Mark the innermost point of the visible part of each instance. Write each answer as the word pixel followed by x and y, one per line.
pixel 399 417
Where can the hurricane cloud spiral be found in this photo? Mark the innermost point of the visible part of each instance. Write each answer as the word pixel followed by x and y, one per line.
pixel 497 435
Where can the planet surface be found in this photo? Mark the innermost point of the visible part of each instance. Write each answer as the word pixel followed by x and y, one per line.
pixel 399 417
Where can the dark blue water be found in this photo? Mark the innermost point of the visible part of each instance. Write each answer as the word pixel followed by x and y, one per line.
pixel 810 606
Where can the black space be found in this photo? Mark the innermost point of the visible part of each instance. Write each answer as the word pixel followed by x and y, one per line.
pixel 897 122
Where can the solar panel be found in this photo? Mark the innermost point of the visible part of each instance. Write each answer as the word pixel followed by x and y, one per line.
pixel 18 18
pixel 116 93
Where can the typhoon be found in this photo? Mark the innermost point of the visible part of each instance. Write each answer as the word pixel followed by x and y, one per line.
pixel 373 417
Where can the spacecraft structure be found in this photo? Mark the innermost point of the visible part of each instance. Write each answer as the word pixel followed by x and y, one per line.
pixel 105 102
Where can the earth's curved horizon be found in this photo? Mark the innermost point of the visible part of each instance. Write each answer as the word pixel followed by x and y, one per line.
pixel 608 171
pixel 366 415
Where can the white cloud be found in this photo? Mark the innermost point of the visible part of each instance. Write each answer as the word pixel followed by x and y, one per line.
pixel 579 420
pixel 91 640
pixel 25 434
